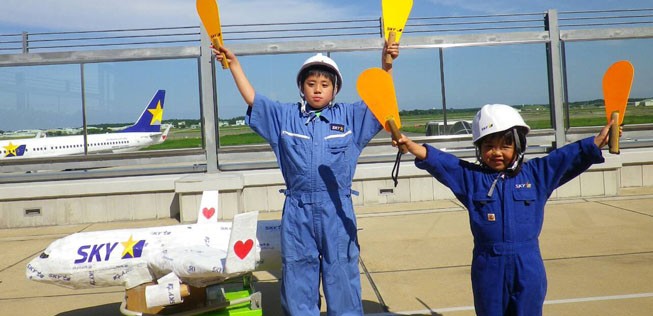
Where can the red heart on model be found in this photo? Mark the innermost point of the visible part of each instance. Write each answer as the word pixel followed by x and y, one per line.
pixel 208 212
pixel 242 248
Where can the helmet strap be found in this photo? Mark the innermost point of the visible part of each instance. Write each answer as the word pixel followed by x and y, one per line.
pixel 516 164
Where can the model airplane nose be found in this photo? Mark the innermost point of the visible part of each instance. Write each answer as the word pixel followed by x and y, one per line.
pixel 33 271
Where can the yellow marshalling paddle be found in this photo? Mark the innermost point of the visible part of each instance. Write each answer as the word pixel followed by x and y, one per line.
pixel 617 82
pixel 210 16
pixel 395 15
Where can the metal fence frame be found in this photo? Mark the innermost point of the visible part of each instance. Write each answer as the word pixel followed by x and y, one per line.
pixel 546 29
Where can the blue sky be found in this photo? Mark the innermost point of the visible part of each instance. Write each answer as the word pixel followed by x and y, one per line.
pixel 474 76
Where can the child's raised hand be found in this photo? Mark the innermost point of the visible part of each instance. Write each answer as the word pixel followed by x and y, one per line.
pixel 392 49
pixel 604 135
pixel 221 52
pixel 416 149
pixel 401 140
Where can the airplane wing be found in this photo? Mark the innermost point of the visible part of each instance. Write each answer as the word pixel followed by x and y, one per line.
pixel 201 265
pixel 197 266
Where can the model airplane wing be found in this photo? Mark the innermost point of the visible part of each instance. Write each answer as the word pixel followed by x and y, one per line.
pixel 197 266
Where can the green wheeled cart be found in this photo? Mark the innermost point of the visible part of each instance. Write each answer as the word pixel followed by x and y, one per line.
pixel 236 299
pixel 232 297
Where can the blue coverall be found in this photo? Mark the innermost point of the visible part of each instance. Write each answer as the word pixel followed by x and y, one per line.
pixel 506 215
pixel 317 155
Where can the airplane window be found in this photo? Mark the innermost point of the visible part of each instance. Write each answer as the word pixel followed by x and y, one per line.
pixel 44 255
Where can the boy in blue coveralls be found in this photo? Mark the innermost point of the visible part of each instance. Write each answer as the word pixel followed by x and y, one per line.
pixel 317 143
pixel 505 199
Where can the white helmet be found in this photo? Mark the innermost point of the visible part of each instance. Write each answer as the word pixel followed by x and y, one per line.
pixel 321 60
pixel 492 118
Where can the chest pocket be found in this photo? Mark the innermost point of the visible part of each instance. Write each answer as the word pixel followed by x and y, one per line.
pixel 294 153
pixel 338 152
pixel 487 210
pixel 525 208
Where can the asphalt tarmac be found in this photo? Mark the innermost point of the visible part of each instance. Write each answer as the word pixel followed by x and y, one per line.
pixel 415 260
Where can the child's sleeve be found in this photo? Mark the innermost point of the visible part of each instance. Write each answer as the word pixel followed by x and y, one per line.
pixel 446 168
pixel 265 117
pixel 567 162
pixel 364 124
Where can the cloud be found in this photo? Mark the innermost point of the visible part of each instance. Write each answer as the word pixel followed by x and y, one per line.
pixel 66 15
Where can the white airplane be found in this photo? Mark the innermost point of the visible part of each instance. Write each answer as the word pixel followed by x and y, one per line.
pixel 164 260
pixel 145 132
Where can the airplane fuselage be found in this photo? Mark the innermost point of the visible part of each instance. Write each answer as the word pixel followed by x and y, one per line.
pixel 144 132
pixel 75 145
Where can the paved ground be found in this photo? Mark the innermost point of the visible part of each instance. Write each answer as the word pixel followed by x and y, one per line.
pixel 415 261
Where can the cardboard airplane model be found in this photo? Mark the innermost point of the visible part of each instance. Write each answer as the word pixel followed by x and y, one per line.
pixel 165 260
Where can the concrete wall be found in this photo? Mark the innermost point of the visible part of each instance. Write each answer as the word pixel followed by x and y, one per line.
pixel 151 197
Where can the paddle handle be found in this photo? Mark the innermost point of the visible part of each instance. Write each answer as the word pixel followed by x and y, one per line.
pixel 216 43
pixel 391 39
pixel 396 135
pixel 613 142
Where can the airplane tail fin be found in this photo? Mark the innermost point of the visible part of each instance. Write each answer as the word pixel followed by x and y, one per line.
pixel 150 119
pixel 241 255
pixel 208 211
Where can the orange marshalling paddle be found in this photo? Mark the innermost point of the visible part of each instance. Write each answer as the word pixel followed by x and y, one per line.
pixel 377 90
pixel 617 81
pixel 210 16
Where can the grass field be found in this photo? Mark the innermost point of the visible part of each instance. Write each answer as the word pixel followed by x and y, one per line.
pixel 536 117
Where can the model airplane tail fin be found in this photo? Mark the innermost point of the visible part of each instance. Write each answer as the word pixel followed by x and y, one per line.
pixel 208 211
pixel 150 119
pixel 241 254
pixel 164 135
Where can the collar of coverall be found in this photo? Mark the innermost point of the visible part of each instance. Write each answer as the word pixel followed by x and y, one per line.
pixel 325 112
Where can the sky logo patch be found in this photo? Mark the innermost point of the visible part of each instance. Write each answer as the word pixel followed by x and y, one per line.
pixel 338 127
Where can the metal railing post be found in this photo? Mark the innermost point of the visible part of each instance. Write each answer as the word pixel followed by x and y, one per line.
pixel 556 82
pixel 25 43
pixel 208 97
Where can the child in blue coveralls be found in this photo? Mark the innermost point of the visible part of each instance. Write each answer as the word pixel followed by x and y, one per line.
pixel 505 199
pixel 317 143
